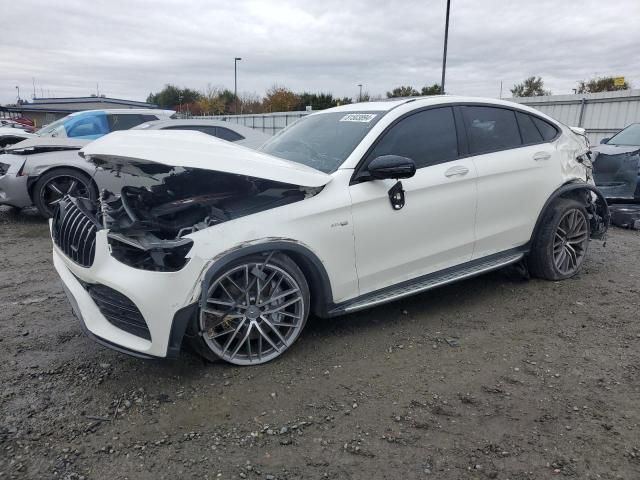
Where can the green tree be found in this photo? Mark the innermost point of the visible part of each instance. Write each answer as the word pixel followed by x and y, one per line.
pixel 171 97
pixel 407 91
pixel 432 90
pixel 531 87
pixel 601 84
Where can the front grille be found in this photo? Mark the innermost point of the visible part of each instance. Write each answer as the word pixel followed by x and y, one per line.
pixel 74 231
pixel 118 310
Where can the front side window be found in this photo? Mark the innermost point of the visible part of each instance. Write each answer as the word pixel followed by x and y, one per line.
pixel 628 136
pixel 91 125
pixel 490 129
pixel 427 137
pixel 324 140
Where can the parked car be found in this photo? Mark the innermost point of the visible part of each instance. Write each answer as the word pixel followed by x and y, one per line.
pixel 347 208
pixel 232 132
pixel 11 136
pixel 616 165
pixel 41 169
pixel 92 124
pixel 12 123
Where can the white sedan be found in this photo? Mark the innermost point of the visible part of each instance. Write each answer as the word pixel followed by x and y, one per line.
pixel 348 208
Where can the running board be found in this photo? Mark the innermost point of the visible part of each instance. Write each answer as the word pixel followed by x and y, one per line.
pixel 428 282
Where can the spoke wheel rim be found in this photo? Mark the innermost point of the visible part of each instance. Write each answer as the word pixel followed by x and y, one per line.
pixel 254 312
pixel 58 187
pixel 570 241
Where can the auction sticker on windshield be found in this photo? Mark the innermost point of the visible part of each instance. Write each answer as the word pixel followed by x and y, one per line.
pixel 359 117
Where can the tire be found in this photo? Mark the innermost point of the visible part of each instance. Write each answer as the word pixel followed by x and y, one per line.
pixel 561 244
pixel 255 327
pixel 54 184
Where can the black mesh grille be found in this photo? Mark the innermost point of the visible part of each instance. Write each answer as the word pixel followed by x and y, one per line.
pixel 74 231
pixel 119 310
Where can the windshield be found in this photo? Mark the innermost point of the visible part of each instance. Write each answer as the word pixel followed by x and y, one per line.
pixel 628 136
pixel 322 141
pixel 49 130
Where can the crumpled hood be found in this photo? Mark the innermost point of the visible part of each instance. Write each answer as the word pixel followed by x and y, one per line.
pixel 189 149
pixel 614 149
pixel 48 142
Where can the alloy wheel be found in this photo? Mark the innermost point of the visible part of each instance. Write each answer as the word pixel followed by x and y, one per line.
pixel 570 241
pixel 60 186
pixel 253 313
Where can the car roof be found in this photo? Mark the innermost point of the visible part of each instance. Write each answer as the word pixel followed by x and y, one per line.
pixel 425 101
pixel 131 111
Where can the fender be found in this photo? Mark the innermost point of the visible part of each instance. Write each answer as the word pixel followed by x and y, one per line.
pixel 309 263
pixel 599 209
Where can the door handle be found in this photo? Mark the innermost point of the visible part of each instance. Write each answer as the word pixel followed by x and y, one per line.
pixel 456 171
pixel 541 156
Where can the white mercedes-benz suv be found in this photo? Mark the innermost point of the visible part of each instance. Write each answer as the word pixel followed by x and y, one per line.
pixel 348 208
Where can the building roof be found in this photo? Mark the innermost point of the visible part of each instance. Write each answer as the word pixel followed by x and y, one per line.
pixel 74 104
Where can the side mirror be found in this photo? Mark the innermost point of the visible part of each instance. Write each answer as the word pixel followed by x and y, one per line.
pixel 605 140
pixel 391 166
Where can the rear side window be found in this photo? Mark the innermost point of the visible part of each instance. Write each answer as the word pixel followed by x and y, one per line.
pixel 427 137
pixel 125 121
pixel 547 130
pixel 228 134
pixel 490 129
pixel 529 131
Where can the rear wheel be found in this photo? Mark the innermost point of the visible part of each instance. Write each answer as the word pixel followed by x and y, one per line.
pixel 55 184
pixel 560 246
pixel 255 310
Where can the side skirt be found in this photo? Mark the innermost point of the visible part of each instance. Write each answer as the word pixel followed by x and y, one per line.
pixel 429 281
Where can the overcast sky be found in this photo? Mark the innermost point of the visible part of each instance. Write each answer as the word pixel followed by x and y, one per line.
pixel 131 48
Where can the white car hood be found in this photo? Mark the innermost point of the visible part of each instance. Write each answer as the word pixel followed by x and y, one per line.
pixel 189 149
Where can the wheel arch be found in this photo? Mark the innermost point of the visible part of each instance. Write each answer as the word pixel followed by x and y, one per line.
pixel 312 267
pixel 598 209
pixel 33 179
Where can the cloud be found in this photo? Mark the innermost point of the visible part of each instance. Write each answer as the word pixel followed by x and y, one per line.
pixel 133 48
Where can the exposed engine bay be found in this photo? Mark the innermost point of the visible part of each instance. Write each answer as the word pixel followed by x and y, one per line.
pixel 148 224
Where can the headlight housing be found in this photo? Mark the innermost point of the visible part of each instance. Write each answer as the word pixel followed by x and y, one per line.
pixel 160 256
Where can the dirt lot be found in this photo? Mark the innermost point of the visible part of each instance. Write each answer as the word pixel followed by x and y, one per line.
pixel 495 377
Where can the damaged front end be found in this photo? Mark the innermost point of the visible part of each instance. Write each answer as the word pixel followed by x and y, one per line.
pixel 148 225
pixel 159 187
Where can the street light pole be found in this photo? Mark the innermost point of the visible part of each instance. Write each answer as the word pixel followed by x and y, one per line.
pixel 444 54
pixel 235 81
pixel 360 94
pixel 18 88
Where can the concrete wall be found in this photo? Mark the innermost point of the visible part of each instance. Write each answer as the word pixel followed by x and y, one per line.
pixel 601 114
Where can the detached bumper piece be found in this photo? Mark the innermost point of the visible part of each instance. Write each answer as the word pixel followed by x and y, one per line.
pixel 118 310
pixel 74 231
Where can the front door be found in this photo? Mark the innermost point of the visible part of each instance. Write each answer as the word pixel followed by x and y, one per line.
pixel 435 228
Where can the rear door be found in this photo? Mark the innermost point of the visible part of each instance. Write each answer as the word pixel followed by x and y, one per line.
pixel 518 168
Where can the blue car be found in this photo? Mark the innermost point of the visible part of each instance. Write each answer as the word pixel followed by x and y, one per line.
pixel 92 124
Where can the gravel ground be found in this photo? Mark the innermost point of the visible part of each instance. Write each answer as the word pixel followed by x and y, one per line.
pixel 495 377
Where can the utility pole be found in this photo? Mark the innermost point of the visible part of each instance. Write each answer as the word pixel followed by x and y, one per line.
pixel 444 54
pixel 500 89
pixel 18 88
pixel 360 94
pixel 33 79
pixel 235 81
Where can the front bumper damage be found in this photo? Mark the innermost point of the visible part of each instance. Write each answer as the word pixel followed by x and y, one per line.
pixel 167 301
